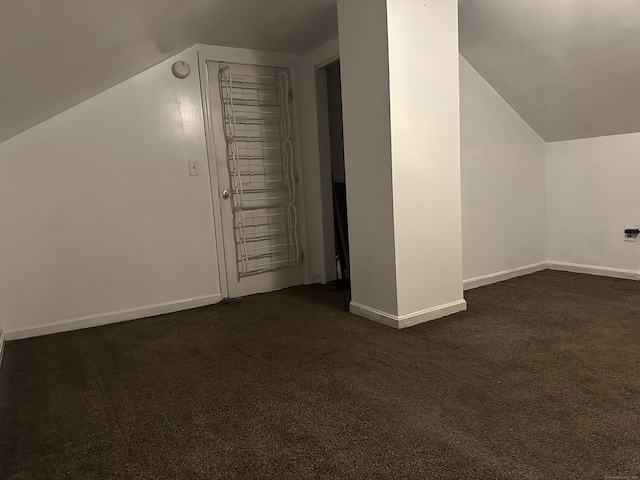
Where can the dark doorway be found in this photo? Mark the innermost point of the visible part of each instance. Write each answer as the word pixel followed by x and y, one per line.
pixel 338 181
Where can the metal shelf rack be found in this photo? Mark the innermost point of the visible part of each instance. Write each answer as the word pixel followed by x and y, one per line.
pixel 257 120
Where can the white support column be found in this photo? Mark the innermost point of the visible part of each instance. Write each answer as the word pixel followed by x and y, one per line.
pixel 364 66
pixel 399 61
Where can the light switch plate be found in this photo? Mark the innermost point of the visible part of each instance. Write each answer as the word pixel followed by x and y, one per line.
pixel 194 167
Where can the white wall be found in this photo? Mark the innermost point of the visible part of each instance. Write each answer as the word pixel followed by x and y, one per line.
pixel 100 220
pixel 592 193
pixel 503 182
pixel 425 139
pixel 316 161
pixel 100 217
pixel 501 157
pixel 364 64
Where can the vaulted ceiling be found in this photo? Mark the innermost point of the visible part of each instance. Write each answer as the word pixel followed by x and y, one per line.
pixel 570 68
pixel 55 54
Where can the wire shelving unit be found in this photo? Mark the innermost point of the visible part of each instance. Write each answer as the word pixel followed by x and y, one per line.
pixel 257 119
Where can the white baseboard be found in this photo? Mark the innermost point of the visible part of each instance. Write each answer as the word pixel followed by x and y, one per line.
pixel 433 313
pixel 551 265
pixel 390 320
pixel 373 314
pixel 409 320
pixel 592 269
pixel 483 280
pixel 113 317
pixel 1 346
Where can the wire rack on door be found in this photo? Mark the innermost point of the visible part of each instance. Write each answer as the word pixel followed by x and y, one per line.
pixel 256 115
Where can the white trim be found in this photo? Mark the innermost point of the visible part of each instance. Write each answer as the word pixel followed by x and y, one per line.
pixel 317 179
pixel 592 269
pixel 213 172
pixel 321 58
pixel 328 61
pixel 1 346
pixel 248 56
pixel 550 265
pixel 323 155
pixel 113 317
pixel 483 280
pixel 370 313
pixel 432 313
pixel 301 187
pixel 410 319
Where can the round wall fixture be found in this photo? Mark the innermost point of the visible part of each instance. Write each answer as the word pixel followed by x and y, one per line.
pixel 180 69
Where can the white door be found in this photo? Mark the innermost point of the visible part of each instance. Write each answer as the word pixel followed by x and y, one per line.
pixel 252 126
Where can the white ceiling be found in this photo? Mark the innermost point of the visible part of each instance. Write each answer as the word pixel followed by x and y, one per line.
pixel 570 68
pixel 55 54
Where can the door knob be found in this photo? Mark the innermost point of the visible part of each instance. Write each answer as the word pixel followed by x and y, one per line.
pixel 226 194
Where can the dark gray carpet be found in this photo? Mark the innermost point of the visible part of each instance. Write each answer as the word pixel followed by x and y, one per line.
pixel 540 378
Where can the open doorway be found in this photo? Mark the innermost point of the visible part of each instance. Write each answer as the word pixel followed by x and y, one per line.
pixel 339 279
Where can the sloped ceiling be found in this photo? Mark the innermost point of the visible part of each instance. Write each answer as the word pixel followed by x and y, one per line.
pixel 570 68
pixel 55 54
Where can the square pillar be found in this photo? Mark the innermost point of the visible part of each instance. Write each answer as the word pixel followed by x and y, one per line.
pixel 399 62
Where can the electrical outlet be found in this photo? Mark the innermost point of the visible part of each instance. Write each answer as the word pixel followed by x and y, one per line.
pixel 194 167
pixel 630 237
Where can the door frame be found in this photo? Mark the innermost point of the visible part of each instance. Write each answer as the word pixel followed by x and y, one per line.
pixel 324 160
pixel 206 54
